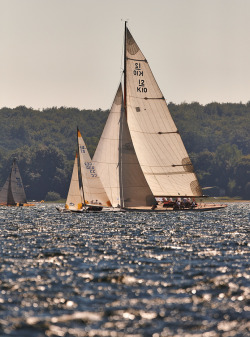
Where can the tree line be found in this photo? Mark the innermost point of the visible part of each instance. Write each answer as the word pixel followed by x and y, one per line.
pixel 215 135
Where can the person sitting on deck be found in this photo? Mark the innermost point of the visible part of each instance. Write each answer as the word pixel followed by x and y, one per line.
pixel 177 204
pixel 168 202
pixel 165 202
pixel 189 202
pixel 185 202
pixel 194 204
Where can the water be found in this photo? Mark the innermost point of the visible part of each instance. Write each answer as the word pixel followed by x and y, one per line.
pixel 124 274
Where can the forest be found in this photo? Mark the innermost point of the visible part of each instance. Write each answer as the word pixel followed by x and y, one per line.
pixel 215 135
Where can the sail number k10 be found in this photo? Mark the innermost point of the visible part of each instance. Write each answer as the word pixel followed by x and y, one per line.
pixel 141 83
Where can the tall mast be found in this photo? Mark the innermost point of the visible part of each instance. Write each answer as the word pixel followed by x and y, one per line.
pixel 123 115
pixel 79 169
pixel 120 156
pixel 125 71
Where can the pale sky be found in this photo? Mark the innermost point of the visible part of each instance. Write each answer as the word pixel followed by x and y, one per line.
pixel 69 52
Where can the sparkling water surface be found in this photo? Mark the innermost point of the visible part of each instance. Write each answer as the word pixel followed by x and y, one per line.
pixel 124 274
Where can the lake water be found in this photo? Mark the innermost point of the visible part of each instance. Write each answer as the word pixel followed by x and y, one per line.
pixel 124 274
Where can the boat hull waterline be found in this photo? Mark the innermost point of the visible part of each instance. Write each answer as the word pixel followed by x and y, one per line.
pixel 198 208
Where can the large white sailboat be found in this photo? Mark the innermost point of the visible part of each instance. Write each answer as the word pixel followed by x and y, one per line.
pixel 12 192
pixel 141 157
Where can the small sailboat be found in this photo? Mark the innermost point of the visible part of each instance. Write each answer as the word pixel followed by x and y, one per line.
pixel 12 192
pixel 141 157
pixel 86 192
pixel 74 201
pixel 95 196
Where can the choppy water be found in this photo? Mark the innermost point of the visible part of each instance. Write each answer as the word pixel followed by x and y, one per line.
pixel 124 274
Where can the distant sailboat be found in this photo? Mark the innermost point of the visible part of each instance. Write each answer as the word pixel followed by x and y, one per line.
pixel 12 192
pixel 140 156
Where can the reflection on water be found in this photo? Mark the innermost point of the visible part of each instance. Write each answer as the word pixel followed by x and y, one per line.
pixel 124 274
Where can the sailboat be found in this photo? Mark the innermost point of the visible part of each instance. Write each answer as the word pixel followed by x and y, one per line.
pixel 74 201
pixel 12 192
pixel 86 192
pixel 95 196
pixel 141 157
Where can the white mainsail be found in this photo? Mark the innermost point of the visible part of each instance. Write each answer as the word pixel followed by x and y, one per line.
pixel 75 197
pixel 94 193
pixel 117 164
pixel 13 192
pixel 158 145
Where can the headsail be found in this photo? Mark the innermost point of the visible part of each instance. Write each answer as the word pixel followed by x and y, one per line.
pixel 75 197
pixel 106 157
pixel 116 161
pixel 158 145
pixel 94 193
pixel 13 192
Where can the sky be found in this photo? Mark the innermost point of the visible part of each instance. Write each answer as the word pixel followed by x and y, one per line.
pixel 69 53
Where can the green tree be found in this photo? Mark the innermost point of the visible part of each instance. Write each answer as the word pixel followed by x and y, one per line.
pixel 227 158
pixel 242 177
